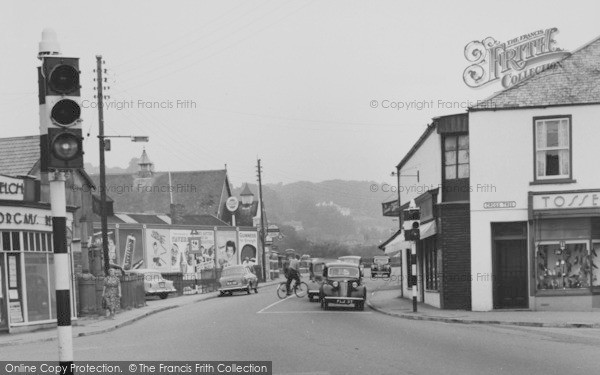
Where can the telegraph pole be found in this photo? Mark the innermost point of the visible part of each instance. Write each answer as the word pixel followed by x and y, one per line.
pixel 262 221
pixel 101 141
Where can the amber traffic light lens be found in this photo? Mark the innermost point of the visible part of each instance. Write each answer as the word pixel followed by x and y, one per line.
pixel 66 146
pixel 64 79
pixel 66 112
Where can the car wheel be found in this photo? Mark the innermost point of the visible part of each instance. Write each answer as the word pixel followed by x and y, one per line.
pixel 163 295
pixel 221 293
pixel 360 306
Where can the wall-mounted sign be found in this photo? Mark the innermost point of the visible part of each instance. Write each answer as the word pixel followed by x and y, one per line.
pixel 24 218
pixel 391 208
pixel 232 204
pixel 11 189
pixel 502 204
pixel 566 201
pixel 12 271
pixel 16 314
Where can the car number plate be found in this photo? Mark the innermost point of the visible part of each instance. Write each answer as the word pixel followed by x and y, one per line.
pixel 342 301
pixel 232 283
pixel 161 284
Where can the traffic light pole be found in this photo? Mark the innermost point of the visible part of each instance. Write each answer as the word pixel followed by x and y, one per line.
pixel 413 261
pixel 62 271
pixel 103 218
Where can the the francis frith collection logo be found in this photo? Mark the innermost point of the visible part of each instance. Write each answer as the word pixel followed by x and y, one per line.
pixel 513 61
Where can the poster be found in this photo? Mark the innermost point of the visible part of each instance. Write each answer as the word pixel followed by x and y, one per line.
pixel 158 248
pixel 112 247
pixel 248 241
pixel 12 271
pixel 206 257
pixel 182 260
pixel 130 246
pixel 227 249
pixel 16 315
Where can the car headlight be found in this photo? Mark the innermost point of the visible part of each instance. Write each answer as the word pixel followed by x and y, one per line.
pixel 355 285
pixel 335 284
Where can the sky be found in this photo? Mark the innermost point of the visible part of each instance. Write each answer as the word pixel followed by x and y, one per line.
pixel 318 90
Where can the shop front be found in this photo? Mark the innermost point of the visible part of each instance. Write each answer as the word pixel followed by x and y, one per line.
pixel 565 243
pixel 27 294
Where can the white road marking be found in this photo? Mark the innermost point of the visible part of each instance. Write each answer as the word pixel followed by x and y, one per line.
pixel 274 303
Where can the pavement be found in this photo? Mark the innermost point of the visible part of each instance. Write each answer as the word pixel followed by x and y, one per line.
pixel 387 300
pixel 95 324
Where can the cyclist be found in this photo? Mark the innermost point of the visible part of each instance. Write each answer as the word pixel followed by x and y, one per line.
pixel 293 273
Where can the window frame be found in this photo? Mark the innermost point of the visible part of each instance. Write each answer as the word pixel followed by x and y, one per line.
pixel 456 164
pixel 546 179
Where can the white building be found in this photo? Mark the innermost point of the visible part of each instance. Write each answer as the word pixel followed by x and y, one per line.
pixel 535 199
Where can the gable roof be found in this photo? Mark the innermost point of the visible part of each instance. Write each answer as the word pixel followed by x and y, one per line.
pixel 201 192
pixel 18 155
pixel 573 80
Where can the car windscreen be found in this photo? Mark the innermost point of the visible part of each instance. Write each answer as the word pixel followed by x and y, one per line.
pixel 350 260
pixel 232 272
pixel 343 272
pixel 381 260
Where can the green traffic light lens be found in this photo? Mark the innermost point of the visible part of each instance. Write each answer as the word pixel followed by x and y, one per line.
pixel 66 146
pixel 64 79
pixel 66 112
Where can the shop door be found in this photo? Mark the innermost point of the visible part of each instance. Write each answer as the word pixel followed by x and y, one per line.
pixel 3 298
pixel 510 274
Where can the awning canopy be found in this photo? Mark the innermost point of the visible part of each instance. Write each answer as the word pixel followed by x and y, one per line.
pixel 428 229
pixel 395 243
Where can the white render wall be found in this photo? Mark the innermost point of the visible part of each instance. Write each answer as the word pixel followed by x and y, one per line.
pixel 427 160
pixel 502 155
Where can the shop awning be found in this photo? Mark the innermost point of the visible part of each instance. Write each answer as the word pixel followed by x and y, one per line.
pixel 395 243
pixel 428 229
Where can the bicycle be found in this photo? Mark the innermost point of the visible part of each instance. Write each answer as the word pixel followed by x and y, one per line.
pixel 300 289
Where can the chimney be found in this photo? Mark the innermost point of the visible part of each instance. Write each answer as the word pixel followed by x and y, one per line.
pixel 177 213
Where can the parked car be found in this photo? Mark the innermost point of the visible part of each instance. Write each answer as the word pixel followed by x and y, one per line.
pixel 154 283
pixel 381 266
pixel 236 279
pixel 315 278
pixel 342 286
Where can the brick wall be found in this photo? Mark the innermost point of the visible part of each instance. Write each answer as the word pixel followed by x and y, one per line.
pixel 455 243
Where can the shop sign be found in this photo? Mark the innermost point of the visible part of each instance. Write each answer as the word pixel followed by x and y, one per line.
pixel 391 208
pixel 21 218
pixel 502 204
pixel 16 314
pixel 566 201
pixel 232 204
pixel 11 189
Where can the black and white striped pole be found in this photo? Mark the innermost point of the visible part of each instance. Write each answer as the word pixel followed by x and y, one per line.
pixel 60 153
pixel 412 220
pixel 62 271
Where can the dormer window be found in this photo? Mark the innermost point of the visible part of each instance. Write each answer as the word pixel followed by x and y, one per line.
pixel 552 147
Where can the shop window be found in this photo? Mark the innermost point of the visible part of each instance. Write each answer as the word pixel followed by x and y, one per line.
pixel 6 241
pixel 595 259
pixel 456 157
pixel 38 287
pixel 552 148
pixel 16 240
pixel 431 273
pixel 566 266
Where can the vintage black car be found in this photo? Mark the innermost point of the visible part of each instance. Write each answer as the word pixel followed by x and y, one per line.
pixel 381 266
pixel 316 277
pixel 342 285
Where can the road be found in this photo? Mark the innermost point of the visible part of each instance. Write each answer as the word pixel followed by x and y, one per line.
pixel 300 339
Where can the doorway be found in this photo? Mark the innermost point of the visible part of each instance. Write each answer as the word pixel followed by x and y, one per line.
pixel 510 274
pixel 3 297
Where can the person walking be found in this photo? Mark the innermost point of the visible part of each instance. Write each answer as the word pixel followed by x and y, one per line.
pixel 111 292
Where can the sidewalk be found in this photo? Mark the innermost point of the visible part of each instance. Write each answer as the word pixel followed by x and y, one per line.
pixel 93 325
pixel 389 302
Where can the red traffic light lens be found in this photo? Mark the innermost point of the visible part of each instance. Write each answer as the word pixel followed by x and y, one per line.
pixel 66 112
pixel 64 79
pixel 66 146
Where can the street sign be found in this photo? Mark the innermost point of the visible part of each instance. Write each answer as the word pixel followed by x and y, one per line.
pixel 232 204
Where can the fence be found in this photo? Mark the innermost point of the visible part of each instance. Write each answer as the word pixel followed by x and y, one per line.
pixel 89 290
pixel 205 281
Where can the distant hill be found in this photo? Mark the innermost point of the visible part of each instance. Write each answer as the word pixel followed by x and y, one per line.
pixel 346 212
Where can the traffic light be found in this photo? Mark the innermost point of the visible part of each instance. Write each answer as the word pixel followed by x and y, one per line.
pixel 60 113
pixel 412 219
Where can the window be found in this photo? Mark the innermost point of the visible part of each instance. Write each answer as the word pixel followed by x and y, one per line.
pixel 456 157
pixel 563 266
pixel 431 274
pixel 552 148
pixel 595 265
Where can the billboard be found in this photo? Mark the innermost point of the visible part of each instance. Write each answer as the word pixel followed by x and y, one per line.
pixel 206 255
pixel 182 259
pixel 158 247
pixel 248 241
pixel 227 249
pixel 131 246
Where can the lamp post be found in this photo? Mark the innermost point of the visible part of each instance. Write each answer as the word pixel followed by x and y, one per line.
pixel 105 146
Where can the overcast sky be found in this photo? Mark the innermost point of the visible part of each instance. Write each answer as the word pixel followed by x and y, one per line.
pixel 291 82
